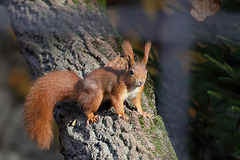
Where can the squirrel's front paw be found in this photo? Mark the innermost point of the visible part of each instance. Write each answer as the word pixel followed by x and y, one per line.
pixel 145 114
pixel 123 117
pixel 92 120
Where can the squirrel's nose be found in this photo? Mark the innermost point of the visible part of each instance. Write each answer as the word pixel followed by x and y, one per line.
pixel 140 83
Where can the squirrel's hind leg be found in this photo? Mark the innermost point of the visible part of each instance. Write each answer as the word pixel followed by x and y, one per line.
pixel 92 105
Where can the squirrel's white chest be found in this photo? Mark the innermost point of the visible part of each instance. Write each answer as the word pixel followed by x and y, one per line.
pixel 132 92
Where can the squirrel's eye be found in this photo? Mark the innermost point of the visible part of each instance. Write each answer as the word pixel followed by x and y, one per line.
pixel 131 72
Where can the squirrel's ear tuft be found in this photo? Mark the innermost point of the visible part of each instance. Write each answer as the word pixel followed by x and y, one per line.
pixel 128 50
pixel 146 52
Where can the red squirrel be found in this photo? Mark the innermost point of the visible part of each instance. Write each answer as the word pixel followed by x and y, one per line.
pixel 125 62
pixel 107 83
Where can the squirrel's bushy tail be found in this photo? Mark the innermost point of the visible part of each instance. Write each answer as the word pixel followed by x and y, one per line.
pixel 43 95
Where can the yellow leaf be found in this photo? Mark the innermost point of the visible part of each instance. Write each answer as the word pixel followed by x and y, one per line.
pixel 192 112
pixel 203 8
pixel 19 81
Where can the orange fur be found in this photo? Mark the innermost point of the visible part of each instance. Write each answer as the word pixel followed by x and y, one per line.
pixel 43 95
pixel 107 83
pixel 128 50
pixel 99 86
pixel 146 52
pixel 124 62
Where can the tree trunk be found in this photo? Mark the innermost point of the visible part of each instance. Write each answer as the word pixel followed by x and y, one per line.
pixel 76 35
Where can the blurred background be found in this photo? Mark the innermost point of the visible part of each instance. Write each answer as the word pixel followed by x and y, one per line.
pixel 194 62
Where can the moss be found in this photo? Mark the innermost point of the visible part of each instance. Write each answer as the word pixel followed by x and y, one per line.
pixel 155 139
pixel 102 4
pixel 89 8
pixel 141 121
pixel 76 2
pixel 158 130
pixel 118 39
pixel 87 1
pixel 157 133
pixel 149 92
pixel 99 5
